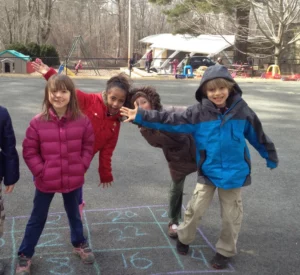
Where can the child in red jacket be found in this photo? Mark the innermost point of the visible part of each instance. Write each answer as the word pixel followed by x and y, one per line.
pixel 58 149
pixel 103 110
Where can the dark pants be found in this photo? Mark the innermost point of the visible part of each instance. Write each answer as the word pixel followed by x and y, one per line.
pixel 149 65
pixel 175 200
pixel 36 223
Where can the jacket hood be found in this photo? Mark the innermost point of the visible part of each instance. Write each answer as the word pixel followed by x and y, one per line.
pixel 212 72
pixel 147 92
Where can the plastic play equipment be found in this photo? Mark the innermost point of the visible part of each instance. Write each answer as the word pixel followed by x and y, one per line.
pixel 273 71
pixel 174 64
pixel 63 68
pixel 68 72
pixel 294 77
pixel 187 72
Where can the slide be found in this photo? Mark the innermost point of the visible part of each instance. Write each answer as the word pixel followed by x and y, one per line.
pixel 69 72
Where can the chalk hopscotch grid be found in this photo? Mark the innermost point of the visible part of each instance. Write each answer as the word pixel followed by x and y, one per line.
pixel 96 265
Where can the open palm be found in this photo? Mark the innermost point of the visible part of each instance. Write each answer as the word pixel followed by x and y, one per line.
pixel 129 113
pixel 40 67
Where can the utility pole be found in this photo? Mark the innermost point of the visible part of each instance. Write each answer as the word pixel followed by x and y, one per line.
pixel 129 36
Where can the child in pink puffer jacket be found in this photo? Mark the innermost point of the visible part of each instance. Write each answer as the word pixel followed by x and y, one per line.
pixel 57 149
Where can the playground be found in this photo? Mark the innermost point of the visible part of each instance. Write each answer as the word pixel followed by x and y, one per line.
pixel 127 223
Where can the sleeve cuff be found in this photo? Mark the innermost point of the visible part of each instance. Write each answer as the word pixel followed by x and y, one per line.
pixel 49 73
pixel 139 117
pixel 271 164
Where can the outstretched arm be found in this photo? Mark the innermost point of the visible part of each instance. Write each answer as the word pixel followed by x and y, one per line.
pixel 181 122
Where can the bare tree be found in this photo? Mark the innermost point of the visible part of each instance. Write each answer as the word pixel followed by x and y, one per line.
pixel 281 14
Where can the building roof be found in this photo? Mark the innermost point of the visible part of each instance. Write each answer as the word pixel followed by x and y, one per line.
pixel 16 54
pixel 205 44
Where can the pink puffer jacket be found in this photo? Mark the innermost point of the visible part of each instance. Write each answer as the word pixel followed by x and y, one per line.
pixel 58 152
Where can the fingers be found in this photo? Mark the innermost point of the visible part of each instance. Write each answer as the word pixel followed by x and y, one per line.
pixel 105 184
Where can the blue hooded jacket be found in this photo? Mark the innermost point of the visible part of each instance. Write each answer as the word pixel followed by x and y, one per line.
pixel 223 158
pixel 9 159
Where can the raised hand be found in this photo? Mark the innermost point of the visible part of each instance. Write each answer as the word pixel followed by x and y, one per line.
pixel 129 113
pixel 40 67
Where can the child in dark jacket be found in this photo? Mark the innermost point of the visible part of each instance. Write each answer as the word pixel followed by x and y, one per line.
pixel 58 149
pixel 220 124
pixel 9 163
pixel 179 151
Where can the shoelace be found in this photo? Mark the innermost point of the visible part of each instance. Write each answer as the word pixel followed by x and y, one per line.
pixel 86 248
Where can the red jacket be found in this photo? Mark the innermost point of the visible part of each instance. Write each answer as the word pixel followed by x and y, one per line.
pixel 106 128
pixel 58 152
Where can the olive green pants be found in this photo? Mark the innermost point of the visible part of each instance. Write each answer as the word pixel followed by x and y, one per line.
pixel 231 214
pixel 175 200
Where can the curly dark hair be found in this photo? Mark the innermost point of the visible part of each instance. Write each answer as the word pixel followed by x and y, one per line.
pixel 121 81
pixel 148 92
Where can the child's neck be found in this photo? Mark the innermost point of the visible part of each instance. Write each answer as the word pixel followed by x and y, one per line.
pixel 60 112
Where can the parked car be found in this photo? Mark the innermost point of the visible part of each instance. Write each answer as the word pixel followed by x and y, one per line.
pixel 197 61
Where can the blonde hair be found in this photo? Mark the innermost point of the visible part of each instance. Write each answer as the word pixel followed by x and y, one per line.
pixel 217 83
pixel 61 82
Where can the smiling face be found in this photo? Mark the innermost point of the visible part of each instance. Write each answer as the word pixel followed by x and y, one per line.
pixel 115 100
pixel 218 90
pixel 143 103
pixel 218 96
pixel 59 100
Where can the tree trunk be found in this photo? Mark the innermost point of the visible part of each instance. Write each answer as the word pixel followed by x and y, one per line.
pixel 241 36
pixel 119 29
pixel 277 54
pixel 46 26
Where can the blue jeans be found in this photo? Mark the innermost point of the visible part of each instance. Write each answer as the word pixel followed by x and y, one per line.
pixel 36 223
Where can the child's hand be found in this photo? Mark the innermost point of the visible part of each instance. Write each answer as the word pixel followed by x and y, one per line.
pixel 9 189
pixel 105 184
pixel 40 67
pixel 130 113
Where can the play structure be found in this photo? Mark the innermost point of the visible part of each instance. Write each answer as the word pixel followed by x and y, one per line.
pixel 273 72
pixel 63 68
pixel 78 46
pixel 187 73
pixel 294 77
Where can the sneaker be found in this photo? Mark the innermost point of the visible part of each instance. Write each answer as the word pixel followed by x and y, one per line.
pixel 85 253
pixel 23 265
pixel 219 261
pixel 182 249
pixel 172 230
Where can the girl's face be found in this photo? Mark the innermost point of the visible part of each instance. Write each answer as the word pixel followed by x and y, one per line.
pixel 218 96
pixel 144 103
pixel 115 99
pixel 59 100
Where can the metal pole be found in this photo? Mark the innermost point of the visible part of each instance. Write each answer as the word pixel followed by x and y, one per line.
pixel 129 36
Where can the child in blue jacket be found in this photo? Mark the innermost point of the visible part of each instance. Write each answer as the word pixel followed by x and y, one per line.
pixel 220 123
pixel 9 162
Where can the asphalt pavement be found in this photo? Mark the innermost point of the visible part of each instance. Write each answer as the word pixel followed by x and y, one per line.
pixel 127 223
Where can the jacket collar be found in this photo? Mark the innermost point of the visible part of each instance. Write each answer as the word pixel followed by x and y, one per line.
pixel 53 115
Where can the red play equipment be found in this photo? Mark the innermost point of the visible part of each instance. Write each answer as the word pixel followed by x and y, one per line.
pixel 294 77
pixel 273 71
